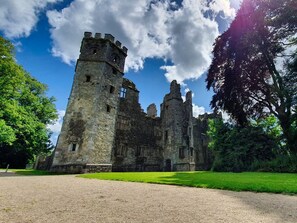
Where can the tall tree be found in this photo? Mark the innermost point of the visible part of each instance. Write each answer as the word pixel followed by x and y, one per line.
pixel 253 71
pixel 25 111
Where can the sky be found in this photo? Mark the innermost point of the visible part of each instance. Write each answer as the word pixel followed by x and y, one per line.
pixel 166 40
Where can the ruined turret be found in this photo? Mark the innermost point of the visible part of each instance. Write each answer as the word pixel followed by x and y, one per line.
pixel 152 111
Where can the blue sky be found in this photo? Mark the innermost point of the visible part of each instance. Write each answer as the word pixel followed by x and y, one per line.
pixel 166 40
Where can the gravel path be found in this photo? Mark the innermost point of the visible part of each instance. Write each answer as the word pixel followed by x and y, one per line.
pixel 25 199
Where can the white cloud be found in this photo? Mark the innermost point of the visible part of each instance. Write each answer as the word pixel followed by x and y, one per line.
pixel 187 90
pixel 235 4
pixel 56 127
pixel 224 5
pixel 197 110
pixel 226 117
pixel 181 35
pixel 18 18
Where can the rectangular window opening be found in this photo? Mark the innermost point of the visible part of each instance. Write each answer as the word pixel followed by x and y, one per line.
pixel 73 147
pixel 181 152
pixel 88 78
pixel 111 89
pixel 108 108
pixel 123 123
pixel 122 151
pixel 123 92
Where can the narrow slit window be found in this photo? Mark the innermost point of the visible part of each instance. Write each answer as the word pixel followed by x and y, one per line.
pixel 108 108
pixel 73 147
pixel 138 151
pixel 111 89
pixel 88 78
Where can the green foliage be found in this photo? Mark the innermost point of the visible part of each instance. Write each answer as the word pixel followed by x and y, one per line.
pixel 270 125
pixel 6 133
pixel 258 182
pixel 25 111
pixel 236 148
pixel 285 163
pixel 244 75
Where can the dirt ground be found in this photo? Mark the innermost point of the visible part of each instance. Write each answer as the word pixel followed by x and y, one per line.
pixel 25 199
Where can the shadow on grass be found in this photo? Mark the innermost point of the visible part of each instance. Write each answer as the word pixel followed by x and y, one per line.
pixel 248 181
pixel 193 179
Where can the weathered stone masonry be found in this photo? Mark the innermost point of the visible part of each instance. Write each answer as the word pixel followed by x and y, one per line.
pixel 105 129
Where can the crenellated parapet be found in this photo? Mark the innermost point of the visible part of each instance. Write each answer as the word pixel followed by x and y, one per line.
pixel 96 48
pixel 107 36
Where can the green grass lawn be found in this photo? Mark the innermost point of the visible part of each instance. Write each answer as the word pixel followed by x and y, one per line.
pixel 29 172
pixel 33 172
pixel 247 181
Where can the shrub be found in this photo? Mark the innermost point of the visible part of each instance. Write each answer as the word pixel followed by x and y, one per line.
pixel 283 164
pixel 237 148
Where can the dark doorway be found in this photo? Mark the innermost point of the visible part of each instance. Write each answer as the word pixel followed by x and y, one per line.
pixel 168 165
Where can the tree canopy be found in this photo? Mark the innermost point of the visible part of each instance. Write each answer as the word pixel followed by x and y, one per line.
pixel 25 111
pixel 253 71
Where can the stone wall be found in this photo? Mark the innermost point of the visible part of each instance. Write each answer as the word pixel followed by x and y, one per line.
pixel 203 156
pixel 137 141
pixel 80 168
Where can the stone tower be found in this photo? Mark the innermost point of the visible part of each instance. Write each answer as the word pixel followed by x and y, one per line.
pixel 87 136
pixel 176 118
pixel 172 120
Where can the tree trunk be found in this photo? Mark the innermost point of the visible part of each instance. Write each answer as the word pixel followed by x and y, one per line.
pixel 288 133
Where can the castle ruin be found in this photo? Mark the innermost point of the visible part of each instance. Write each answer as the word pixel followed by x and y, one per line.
pixel 105 129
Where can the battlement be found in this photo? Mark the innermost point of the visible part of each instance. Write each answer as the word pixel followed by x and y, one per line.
pixel 107 37
pixel 189 96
